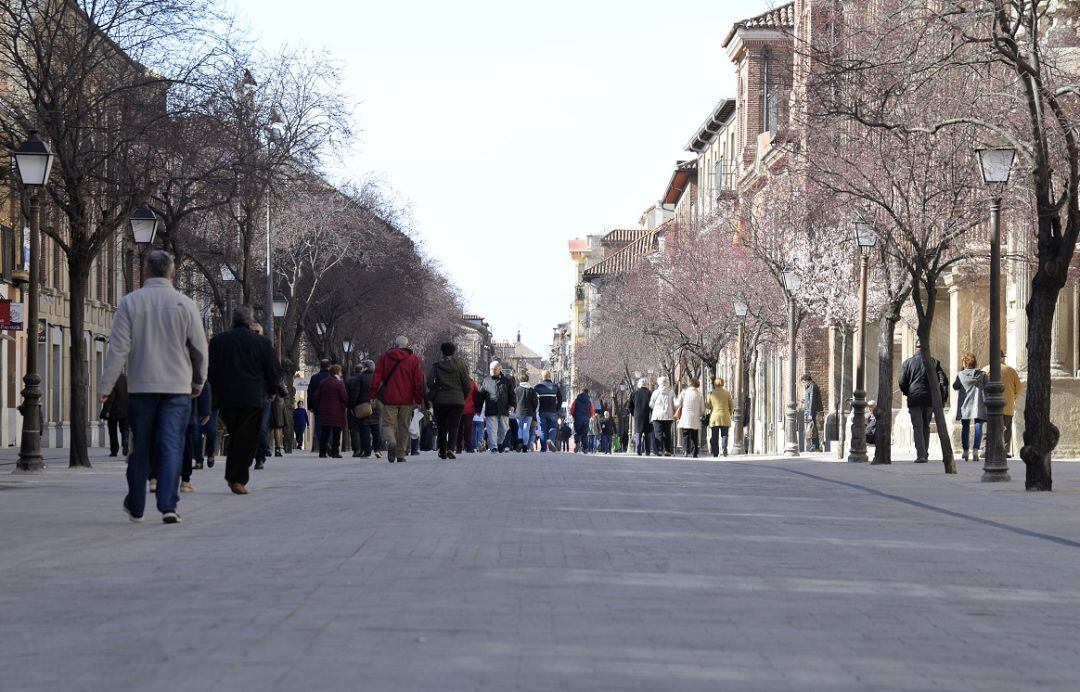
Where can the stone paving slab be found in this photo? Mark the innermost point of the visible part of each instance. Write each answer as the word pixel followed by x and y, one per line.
pixel 542 572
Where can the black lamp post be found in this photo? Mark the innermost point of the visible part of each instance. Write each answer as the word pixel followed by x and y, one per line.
pixel 995 165
pixel 866 238
pixel 144 225
pixel 280 307
pixel 33 160
pixel 792 283
pixel 741 310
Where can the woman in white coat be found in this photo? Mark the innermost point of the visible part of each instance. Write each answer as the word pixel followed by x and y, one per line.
pixel 692 408
pixel 662 404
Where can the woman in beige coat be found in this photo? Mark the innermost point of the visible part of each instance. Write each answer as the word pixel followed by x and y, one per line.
pixel 721 406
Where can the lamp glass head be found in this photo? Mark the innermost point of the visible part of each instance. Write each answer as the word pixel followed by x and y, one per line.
pixel 995 164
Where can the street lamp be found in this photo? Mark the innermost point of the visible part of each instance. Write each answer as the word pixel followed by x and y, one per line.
pixel 792 283
pixel 144 225
pixel 33 160
pixel 741 310
pixel 995 165
pixel 320 328
pixel 346 349
pixel 281 305
pixel 866 239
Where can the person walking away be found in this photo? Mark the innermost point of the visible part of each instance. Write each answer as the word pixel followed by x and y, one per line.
pixel 565 433
pixel 332 402
pixel 204 437
pixel 549 403
pixel 497 398
pixel 691 407
pixel 356 395
pixel 607 432
pixel 200 416
pixel 300 422
pixel 466 433
pixel 157 334
pixel 581 411
pixel 1013 387
pixel 370 436
pixel 970 403
pixel 115 411
pixel 641 413
pixel 398 383
pixel 243 375
pixel 594 432
pixel 449 385
pixel 478 421
pixel 915 385
pixel 277 423
pixel 313 386
pixel 526 406
pixel 720 406
pixel 812 410
pixel 662 403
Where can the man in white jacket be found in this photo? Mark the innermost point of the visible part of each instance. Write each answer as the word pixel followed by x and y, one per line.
pixel 158 334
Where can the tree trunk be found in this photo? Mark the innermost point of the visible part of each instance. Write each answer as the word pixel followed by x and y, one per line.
pixel 926 322
pixel 1040 434
pixel 78 277
pixel 886 334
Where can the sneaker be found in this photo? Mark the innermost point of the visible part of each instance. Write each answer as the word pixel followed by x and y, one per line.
pixel 153 485
pixel 277 452
pixel 450 455
pixel 493 450
pixel 402 460
pixel 186 487
pixel 378 455
pixel 170 517
pixel 131 517
pixel 197 465
pixel 210 462
pixel 259 465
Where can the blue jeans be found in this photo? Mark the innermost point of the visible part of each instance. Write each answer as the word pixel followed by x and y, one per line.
pixel 496 430
pixel 965 433
pixel 158 426
pixel 477 433
pixel 525 431
pixel 581 435
pixel 207 432
pixel 549 422
pixel 263 450
pixel 605 443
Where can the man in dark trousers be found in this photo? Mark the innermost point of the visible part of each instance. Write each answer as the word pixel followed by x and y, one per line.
pixel 915 385
pixel 115 411
pixel 313 384
pixel 582 410
pixel 642 413
pixel 243 375
pixel 812 408
pixel 550 404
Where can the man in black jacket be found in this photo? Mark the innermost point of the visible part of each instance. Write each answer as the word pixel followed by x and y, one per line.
pixel 313 407
pixel 812 409
pixel 243 374
pixel 639 409
pixel 115 410
pixel 496 395
pixel 915 385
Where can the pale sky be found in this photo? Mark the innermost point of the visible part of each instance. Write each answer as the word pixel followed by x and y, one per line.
pixel 514 126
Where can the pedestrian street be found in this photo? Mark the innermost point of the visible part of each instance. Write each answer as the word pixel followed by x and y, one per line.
pixel 543 572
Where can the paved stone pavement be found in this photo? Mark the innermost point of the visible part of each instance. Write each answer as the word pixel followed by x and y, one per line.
pixel 544 572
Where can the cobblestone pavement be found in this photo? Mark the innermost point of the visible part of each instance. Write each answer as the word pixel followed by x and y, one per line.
pixel 544 572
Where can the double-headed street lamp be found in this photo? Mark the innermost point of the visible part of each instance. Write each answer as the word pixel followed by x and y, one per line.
pixel 33 160
pixel 995 165
pixel 866 239
pixel 741 310
pixel 792 283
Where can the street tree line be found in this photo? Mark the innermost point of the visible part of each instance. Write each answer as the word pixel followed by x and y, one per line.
pixel 168 104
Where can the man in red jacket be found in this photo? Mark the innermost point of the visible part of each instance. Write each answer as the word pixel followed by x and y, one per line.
pixel 399 384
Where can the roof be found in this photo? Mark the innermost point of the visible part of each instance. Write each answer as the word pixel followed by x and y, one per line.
pixel 621 236
pixel 707 132
pixel 624 259
pixel 579 245
pixel 782 17
pixel 472 318
pixel 514 349
pixel 684 174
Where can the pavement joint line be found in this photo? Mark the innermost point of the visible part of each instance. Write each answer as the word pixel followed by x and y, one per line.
pixel 1068 542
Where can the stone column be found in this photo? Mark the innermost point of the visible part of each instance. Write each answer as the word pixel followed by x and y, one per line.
pixel 1061 341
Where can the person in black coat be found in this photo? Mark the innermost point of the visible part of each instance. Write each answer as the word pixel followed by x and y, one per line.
pixel 640 410
pixel 115 411
pixel 313 407
pixel 915 385
pixel 363 432
pixel 243 374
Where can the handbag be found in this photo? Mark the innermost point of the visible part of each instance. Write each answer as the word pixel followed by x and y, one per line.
pixel 363 410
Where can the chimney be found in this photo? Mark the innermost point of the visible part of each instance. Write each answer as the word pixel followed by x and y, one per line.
pixel 519 336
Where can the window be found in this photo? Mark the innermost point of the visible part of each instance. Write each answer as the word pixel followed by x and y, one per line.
pixel 7 248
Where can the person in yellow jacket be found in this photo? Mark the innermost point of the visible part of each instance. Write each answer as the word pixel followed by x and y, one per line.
pixel 721 406
pixel 1013 387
